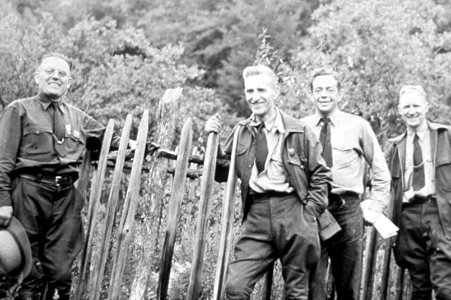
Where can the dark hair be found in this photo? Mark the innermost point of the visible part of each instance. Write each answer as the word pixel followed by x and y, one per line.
pixel 324 72
pixel 59 55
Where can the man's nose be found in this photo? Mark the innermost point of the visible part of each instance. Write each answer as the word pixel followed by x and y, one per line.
pixel 55 75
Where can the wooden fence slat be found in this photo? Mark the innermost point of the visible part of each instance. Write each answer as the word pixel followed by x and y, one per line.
pixel 94 199
pixel 226 224
pixel 268 282
pixel 399 284
pixel 206 188
pixel 368 265
pixel 129 210
pixel 107 228
pixel 174 208
pixel 85 170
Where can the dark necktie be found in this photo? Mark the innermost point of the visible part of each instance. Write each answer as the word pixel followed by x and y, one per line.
pixel 418 165
pixel 261 148
pixel 58 122
pixel 324 138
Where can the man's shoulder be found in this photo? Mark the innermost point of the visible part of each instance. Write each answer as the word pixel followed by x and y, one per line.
pixel 351 117
pixel 22 101
pixel 310 119
pixel 396 139
pixel 439 126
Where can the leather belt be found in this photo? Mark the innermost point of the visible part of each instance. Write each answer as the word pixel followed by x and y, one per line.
pixel 416 200
pixel 56 180
pixel 269 194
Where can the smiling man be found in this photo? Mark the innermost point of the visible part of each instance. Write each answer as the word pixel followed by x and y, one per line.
pixel 42 139
pixel 420 165
pixel 349 145
pixel 284 184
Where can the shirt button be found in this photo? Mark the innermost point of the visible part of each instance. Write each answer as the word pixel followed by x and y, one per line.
pixel 250 166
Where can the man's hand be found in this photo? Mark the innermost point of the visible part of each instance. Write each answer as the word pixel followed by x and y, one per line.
pixel 369 215
pixel 213 124
pixel 6 213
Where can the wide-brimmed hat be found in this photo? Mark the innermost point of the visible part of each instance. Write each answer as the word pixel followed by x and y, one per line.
pixel 15 250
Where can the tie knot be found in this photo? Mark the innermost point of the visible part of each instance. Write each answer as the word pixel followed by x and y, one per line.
pixel 261 126
pixel 325 120
pixel 415 137
pixel 55 105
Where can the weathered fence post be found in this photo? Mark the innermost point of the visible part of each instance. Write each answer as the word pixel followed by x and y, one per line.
pixel 94 199
pixel 128 213
pixel 226 224
pixel 107 228
pixel 368 265
pixel 204 212
pixel 174 207
pixel 157 179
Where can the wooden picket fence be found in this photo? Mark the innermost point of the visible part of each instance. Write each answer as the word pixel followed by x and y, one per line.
pixel 106 245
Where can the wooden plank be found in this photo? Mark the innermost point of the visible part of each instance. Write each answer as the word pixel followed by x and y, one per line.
pixel 94 200
pixel 128 214
pixel 85 172
pixel 148 231
pixel 206 188
pixel 226 224
pixel 399 284
pixel 178 190
pixel 268 282
pixel 369 265
pixel 387 256
pixel 107 226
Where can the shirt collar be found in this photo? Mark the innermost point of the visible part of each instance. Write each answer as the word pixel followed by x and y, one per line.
pixel 421 131
pixel 45 102
pixel 277 125
pixel 334 116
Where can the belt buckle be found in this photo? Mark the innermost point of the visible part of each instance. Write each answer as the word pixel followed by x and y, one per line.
pixel 58 180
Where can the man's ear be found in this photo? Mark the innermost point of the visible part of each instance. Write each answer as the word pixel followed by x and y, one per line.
pixel 340 95
pixel 36 78
pixel 69 82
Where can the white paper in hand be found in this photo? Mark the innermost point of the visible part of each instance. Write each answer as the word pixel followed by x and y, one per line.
pixel 385 227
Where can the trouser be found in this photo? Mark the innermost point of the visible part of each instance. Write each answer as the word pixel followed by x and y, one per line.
pixel 422 248
pixel 345 250
pixel 275 227
pixel 51 216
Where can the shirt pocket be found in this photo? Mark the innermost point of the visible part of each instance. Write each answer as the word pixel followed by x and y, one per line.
pixel 75 144
pixel 344 154
pixel 36 141
pixel 276 169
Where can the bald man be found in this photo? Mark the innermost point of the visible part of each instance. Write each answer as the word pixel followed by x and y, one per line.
pixel 420 166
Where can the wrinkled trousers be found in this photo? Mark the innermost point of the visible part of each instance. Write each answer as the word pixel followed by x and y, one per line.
pixel 275 228
pixel 422 249
pixel 51 216
pixel 345 250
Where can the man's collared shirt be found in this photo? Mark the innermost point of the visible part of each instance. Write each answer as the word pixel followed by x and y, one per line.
pixel 28 143
pixel 273 177
pixel 424 138
pixel 354 143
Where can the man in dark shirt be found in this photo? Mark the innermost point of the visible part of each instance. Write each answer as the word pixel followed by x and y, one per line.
pixel 42 139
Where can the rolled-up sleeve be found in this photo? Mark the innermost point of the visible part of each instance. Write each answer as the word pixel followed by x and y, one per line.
pixel 10 136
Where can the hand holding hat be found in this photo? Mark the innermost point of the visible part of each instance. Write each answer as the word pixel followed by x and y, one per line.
pixel 6 213
pixel 15 250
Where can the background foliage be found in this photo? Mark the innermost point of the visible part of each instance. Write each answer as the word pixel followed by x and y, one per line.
pixel 127 53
